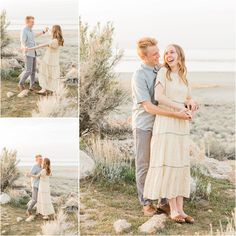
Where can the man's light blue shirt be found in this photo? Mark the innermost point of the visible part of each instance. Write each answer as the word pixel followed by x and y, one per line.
pixel 27 39
pixel 143 84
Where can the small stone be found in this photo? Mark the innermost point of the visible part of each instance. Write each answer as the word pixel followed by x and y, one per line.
pixel 4 231
pixel 30 218
pixel 121 226
pixel 153 225
pixel 18 219
pixel 4 198
pixel 210 211
pixel 23 93
pixel 10 94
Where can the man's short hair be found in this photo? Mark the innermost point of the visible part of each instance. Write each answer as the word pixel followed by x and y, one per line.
pixel 37 156
pixel 144 43
pixel 27 18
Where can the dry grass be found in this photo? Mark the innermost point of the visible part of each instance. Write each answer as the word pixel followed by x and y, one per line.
pixel 57 105
pixel 59 226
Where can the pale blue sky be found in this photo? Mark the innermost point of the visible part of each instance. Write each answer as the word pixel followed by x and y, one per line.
pixel 194 24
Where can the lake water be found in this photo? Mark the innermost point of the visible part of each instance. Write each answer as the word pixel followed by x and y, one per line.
pixel 197 60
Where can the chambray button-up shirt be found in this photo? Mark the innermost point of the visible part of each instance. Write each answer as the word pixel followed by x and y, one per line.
pixel 143 84
pixel 36 169
pixel 27 39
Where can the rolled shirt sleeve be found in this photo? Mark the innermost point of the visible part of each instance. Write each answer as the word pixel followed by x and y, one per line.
pixel 140 88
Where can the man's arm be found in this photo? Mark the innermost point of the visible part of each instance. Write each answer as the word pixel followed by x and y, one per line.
pixel 42 32
pixel 37 47
pixel 155 110
pixel 23 38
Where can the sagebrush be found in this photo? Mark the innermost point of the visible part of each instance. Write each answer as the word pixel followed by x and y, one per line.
pixel 9 170
pixel 100 92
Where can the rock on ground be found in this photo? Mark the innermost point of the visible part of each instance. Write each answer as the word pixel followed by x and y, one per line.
pixel 18 219
pixel 71 205
pixel 87 165
pixel 121 226
pixel 23 93
pixel 153 225
pixel 10 64
pixel 4 198
pixel 30 218
pixel 10 94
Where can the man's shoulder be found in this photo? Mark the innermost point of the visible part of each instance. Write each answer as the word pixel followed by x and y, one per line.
pixel 36 166
pixel 138 74
pixel 24 29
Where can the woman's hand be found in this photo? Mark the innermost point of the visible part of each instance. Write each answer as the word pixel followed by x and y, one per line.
pixel 192 105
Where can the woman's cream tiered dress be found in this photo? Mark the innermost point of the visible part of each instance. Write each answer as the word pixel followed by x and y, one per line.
pixel 169 171
pixel 44 203
pixel 49 68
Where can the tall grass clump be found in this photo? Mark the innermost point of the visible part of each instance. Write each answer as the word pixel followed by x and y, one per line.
pixel 9 170
pixel 99 90
pixel 57 105
pixel 111 163
pixel 203 189
pixel 59 226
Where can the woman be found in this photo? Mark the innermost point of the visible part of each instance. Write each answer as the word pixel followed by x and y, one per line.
pixel 49 69
pixel 44 203
pixel 169 171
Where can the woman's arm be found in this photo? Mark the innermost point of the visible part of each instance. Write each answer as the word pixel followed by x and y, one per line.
pixel 37 47
pixel 163 99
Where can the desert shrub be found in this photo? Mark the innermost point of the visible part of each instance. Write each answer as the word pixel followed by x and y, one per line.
pixel 57 105
pixel 10 73
pixel 59 226
pixel 9 170
pixel 5 39
pixel 215 149
pixel 111 163
pixel 203 186
pixel 99 90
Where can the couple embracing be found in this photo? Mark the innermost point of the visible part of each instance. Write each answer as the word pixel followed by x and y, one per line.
pixel 162 110
pixel 41 194
pixel 49 68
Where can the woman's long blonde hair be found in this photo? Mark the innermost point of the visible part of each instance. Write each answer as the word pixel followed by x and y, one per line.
pixel 182 68
pixel 46 166
pixel 57 34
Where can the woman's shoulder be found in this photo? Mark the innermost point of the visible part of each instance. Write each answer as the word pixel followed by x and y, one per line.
pixel 162 72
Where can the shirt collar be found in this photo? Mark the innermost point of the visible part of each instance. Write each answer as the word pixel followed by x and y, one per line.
pixel 145 66
pixel 28 28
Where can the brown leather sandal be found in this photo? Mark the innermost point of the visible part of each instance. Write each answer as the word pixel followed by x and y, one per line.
pixel 178 219
pixel 189 219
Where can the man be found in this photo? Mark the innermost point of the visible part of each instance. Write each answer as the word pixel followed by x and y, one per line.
pixel 27 41
pixel 36 169
pixel 145 108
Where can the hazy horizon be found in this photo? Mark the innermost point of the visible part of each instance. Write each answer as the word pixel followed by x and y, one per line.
pixel 46 13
